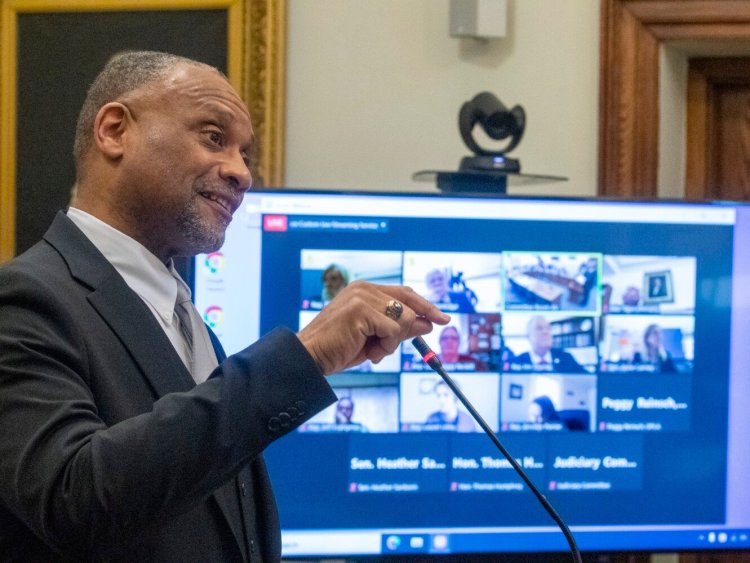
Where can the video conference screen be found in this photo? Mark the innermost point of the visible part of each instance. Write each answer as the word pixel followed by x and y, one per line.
pixel 605 342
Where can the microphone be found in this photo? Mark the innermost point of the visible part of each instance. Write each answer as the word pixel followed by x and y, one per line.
pixel 432 360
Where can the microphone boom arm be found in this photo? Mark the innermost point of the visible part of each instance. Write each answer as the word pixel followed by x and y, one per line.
pixel 434 362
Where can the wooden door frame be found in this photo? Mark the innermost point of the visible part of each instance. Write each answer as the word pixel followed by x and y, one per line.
pixel 631 35
pixel 704 75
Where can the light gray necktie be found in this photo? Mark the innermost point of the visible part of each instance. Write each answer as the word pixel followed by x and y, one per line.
pixel 202 359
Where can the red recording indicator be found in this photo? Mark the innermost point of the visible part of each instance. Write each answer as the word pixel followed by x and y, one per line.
pixel 274 223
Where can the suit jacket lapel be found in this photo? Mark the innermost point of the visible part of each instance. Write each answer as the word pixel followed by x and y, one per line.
pixel 134 324
pixel 126 314
pixel 141 335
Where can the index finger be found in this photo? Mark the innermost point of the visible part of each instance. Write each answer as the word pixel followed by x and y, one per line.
pixel 417 303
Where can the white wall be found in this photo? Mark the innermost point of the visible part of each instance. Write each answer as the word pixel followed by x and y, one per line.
pixel 374 90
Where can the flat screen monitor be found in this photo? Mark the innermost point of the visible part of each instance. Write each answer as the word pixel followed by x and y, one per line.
pixel 606 342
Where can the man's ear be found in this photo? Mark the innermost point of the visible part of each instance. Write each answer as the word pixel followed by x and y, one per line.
pixel 111 123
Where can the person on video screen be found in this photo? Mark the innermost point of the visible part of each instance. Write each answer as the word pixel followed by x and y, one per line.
pixel 542 356
pixel 335 278
pixel 631 297
pixel 345 412
pixel 450 294
pixel 542 410
pixel 452 359
pixel 588 275
pixel 654 353
pixel 448 412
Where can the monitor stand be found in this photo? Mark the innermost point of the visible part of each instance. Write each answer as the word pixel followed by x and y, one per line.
pixel 484 182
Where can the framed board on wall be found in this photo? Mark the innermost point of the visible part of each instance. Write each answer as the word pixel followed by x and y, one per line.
pixel 51 52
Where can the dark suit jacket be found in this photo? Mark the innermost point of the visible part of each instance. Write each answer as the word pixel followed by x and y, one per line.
pixel 562 361
pixel 108 450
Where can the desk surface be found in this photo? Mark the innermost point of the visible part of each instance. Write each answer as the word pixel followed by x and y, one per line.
pixel 543 290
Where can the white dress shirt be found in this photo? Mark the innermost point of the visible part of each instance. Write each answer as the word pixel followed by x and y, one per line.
pixel 153 281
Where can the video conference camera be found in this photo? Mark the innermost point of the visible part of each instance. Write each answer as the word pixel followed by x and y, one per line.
pixel 490 169
pixel 499 123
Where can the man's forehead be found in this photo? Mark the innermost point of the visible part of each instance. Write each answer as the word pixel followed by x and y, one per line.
pixel 205 87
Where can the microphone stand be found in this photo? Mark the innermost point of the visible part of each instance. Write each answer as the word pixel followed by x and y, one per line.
pixel 434 362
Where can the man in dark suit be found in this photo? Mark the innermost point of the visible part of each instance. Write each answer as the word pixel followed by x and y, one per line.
pixel 125 434
pixel 542 356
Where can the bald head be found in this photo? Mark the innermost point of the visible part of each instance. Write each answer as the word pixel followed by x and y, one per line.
pixel 163 152
pixel 123 73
